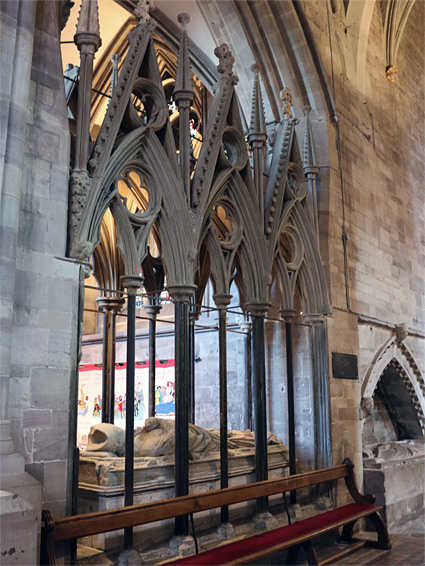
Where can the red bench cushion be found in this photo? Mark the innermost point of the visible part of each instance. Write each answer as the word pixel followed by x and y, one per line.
pixel 245 547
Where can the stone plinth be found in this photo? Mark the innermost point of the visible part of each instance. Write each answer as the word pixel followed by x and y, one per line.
pixel 101 487
pixel 18 530
pixel 395 473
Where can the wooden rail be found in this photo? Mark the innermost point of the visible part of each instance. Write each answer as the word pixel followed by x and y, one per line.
pixel 70 528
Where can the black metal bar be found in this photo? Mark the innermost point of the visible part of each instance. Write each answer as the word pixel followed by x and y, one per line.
pixel 93 89
pixel 152 369
pixel 111 376
pixel 181 353
pixel 248 374
pixel 192 368
pixel 129 414
pixel 291 405
pixel 108 365
pixel 224 462
pixel 260 414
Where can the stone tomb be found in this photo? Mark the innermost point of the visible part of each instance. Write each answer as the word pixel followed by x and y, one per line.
pixel 395 473
pixel 101 474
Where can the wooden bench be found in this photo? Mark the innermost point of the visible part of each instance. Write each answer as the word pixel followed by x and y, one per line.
pixel 293 536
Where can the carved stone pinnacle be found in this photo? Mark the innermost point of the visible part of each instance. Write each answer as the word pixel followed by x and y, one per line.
pixel 256 68
pixel 142 10
pixel 226 59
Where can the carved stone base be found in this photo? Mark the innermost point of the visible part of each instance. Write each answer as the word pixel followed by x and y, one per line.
pixel 129 558
pixel 264 521
pixel 183 546
pixel 226 531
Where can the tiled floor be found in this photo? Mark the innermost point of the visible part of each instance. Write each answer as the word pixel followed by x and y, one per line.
pixel 408 549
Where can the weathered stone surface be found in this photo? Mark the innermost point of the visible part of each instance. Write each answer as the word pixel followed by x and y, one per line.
pixel 19 530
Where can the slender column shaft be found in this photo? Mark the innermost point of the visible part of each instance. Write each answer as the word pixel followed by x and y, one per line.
pixel 260 415
pixel 184 145
pixel 129 413
pixel 152 369
pixel 224 463
pixel 291 406
pixel 105 367
pixel 111 375
pixel 321 396
pixel 192 369
pixel 83 111
pixel 248 374
pixel 257 152
pixel 181 352
pixel 108 369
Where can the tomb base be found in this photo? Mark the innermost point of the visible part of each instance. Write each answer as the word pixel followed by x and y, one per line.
pixel 101 487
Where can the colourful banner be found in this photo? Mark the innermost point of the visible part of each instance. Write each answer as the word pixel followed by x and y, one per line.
pixel 90 395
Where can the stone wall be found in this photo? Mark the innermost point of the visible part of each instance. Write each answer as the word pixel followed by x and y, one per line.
pixel 381 141
pixel 44 296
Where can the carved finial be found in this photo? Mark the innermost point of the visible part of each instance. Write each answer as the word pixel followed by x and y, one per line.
pixel 142 11
pixel 390 73
pixel 184 85
pixel 258 118
pixel 309 151
pixel 183 19
pixel 88 31
pixel 226 60
pixel 287 102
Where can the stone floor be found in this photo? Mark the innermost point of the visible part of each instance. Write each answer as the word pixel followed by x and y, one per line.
pixel 408 548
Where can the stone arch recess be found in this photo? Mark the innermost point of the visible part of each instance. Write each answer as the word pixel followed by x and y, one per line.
pixel 398 353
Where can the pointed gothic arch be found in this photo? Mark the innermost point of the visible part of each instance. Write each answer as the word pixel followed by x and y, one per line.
pixel 397 355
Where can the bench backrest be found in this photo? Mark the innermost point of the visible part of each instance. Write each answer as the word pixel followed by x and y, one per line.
pixel 104 521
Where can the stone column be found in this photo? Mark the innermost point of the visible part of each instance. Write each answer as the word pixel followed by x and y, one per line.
pixel 110 306
pixel 131 283
pixel 222 302
pixel 288 315
pixel 323 446
pixel 246 326
pixel 193 317
pixel 258 312
pixel 152 310
pixel 181 296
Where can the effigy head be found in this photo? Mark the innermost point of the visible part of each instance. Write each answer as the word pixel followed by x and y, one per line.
pixel 105 437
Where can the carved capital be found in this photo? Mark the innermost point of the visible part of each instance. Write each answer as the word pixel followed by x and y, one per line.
pixel 258 309
pixel 108 304
pixel 287 314
pixel 222 300
pixel 131 283
pixel 181 293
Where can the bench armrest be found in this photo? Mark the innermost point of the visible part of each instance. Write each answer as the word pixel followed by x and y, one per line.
pixel 350 482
